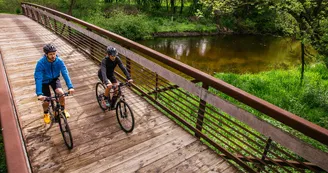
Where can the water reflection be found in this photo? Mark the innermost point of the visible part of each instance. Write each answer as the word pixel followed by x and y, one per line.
pixel 230 53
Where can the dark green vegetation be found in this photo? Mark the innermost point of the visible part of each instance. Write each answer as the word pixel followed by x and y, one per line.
pixel 3 167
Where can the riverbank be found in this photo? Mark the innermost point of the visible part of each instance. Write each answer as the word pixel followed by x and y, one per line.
pixel 283 88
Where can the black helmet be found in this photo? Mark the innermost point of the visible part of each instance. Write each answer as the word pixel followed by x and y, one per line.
pixel 49 48
pixel 112 51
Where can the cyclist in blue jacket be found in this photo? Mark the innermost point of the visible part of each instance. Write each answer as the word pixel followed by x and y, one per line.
pixel 46 74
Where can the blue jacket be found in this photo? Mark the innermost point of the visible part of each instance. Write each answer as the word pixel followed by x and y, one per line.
pixel 46 71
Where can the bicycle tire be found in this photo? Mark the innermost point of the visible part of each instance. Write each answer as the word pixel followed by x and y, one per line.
pixel 65 131
pixel 123 106
pixel 99 95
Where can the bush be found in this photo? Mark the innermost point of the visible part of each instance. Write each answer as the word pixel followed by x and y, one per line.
pixel 134 27
pixel 325 59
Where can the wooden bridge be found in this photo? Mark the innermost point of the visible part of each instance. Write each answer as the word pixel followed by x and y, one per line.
pixel 180 127
pixel 156 144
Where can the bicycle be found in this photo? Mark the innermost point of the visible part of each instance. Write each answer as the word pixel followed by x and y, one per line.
pixel 57 115
pixel 124 113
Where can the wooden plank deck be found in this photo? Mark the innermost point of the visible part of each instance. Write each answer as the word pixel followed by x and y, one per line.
pixel 157 144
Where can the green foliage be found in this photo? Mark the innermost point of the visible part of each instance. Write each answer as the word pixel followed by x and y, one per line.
pixel 131 26
pixel 131 23
pixel 9 6
pixel 18 11
pixel 282 88
pixel 3 167
pixel 325 59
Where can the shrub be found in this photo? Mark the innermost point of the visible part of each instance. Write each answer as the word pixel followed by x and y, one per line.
pixel 134 27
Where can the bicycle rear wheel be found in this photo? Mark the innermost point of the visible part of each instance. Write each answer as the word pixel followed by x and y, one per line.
pixel 65 131
pixel 124 116
pixel 100 90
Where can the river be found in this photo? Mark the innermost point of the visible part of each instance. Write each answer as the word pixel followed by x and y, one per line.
pixel 230 53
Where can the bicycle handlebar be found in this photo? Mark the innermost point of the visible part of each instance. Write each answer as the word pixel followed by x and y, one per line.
pixel 122 84
pixel 55 97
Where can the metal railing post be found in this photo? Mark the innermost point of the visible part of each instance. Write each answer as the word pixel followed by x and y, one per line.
pixel 23 10
pixel 266 149
pixel 69 32
pixel 92 48
pixel 55 23
pixel 156 87
pixel 201 113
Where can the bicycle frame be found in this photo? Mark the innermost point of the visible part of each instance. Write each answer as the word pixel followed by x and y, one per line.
pixel 120 94
pixel 55 108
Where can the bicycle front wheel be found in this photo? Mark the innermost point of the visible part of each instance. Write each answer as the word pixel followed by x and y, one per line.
pixel 124 116
pixel 65 131
pixel 100 90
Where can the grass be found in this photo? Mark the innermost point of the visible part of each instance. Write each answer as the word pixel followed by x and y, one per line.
pixel 308 100
pixel 3 167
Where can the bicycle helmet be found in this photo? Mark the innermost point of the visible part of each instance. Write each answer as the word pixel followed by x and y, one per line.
pixel 49 48
pixel 112 51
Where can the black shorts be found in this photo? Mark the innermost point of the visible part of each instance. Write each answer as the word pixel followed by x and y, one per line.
pixel 54 85
pixel 111 78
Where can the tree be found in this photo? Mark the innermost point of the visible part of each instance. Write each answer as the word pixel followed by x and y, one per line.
pixel 181 7
pixel 72 3
pixel 173 6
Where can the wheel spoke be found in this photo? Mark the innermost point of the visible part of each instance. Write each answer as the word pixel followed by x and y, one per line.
pixel 125 116
pixel 100 90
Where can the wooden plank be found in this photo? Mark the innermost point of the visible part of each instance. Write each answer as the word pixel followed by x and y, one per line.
pixel 134 151
pixel 171 160
pixel 134 163
pixel 109 146
pixel 197 163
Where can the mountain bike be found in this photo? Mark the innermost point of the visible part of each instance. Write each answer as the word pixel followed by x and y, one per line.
pixel 124 113
pixel 57 115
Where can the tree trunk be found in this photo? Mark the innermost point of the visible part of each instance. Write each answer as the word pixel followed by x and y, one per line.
pixel 167 5
pixel 71 7
pixel 194 7
pixel 303 60
pixel 181 7
pixel 172 6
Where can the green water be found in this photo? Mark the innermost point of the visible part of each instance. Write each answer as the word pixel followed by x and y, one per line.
pixel 230 53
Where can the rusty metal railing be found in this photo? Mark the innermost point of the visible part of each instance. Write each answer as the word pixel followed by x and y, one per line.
pixel 192 99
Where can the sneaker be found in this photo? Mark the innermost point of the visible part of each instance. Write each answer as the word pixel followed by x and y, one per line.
pixel 46 118
pixel 107 103
pixel 67 114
